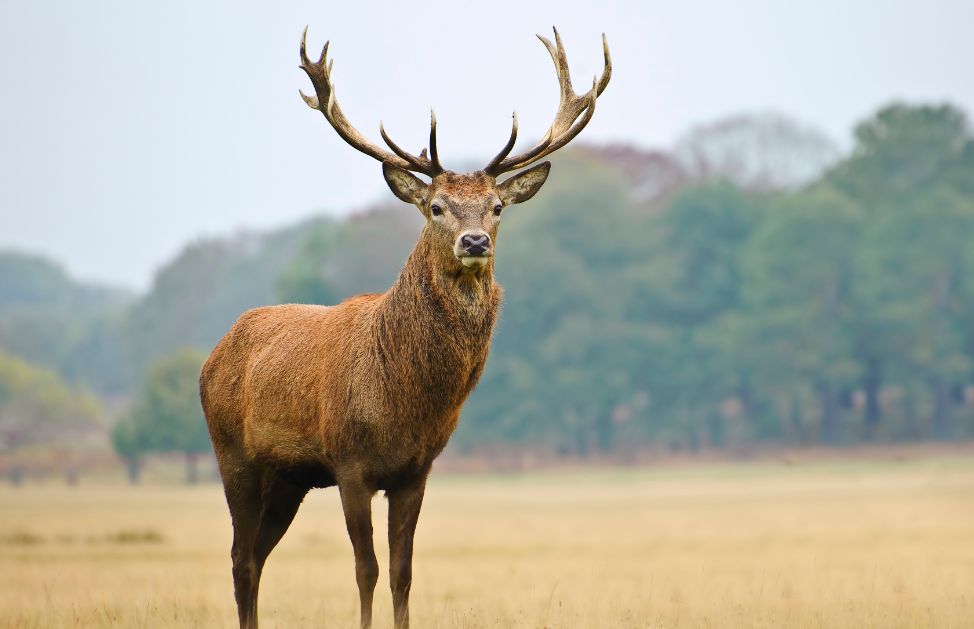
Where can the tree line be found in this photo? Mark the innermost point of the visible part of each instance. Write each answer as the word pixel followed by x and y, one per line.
pixel 754 286
pixel 838 312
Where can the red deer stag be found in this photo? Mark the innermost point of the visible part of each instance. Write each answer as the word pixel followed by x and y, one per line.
pixel 365 394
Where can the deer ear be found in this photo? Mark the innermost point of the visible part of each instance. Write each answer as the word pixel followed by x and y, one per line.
pixel 524 185
pixel 404 184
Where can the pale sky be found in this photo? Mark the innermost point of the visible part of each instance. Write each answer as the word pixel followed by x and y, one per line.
pixel 130 128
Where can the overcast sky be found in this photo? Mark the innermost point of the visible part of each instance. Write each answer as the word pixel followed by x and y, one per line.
pixel 129 128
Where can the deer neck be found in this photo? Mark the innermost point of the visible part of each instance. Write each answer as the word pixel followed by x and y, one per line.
pixel 434 292
pixel 437 320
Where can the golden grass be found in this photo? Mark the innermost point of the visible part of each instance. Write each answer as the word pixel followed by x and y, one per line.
pixel 816 545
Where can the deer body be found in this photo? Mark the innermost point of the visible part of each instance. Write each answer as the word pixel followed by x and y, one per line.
pixel 360 403
pixel 364 395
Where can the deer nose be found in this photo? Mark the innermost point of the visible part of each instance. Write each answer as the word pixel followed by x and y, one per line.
pixel 475 243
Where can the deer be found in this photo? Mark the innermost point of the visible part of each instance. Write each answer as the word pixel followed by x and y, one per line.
pixel 365 394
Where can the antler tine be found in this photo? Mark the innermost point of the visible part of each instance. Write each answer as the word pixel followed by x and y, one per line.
pixel 574 110
pixel 419 163
pixel 606 68
pixel 434 155
pixel 560 57
pixel 507 147
pixel 320 74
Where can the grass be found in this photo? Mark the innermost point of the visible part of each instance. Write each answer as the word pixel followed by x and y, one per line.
pixel 832 545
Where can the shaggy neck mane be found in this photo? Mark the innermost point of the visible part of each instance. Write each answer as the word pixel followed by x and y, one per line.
pixel 439 315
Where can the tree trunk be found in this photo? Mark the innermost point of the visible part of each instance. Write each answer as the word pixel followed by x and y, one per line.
pixel 192 469
pixel 716 437
pixel 799 432
pixel 582 444
pixel 830 433
pixel 133 466
pixel 943 421
pixel 871 384
pixel 912 430
pixel 693 440
pixel 605 432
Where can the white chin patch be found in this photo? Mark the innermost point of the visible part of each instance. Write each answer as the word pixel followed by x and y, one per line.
pixel 474 262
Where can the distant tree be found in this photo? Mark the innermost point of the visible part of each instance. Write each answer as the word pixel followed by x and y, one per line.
pixel 758 151
pixel 96 355
pixel 129 444
pixel 46 318
pixel 653 176
pixel 799 271
pixel 27 280
pixel 695 278
pixel 197 296
pixel 903 152
pixel 167 415
pixel 304 280
pixel 39 335
pixel 38 408
pixel 911 172
pixel 361 255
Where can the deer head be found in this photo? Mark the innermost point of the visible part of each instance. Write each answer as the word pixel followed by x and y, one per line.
pixel 463 211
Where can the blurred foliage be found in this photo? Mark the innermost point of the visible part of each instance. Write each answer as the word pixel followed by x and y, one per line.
pixel 833 313
pixel 198 296
pixel 38 407
pixel 50 320
pixel 765 151
pixel 730 294
pixel 167 415
pixel 359 255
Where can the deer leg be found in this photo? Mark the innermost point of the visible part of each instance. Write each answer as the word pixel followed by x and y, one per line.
pixel 243 498
pixel 357 504
pixel 279 504
pixel 404 505
pixel 262 507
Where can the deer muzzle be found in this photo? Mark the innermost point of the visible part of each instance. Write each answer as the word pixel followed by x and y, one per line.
pixel 473 248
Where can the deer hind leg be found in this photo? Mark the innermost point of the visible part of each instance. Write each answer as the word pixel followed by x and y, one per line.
pixel 279 504
pixel 262 507
pixel 242 488
pixel 357 505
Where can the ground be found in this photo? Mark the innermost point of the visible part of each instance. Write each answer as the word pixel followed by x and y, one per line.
pixel 827 544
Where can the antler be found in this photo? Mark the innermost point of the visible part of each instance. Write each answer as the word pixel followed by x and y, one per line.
pixel 320 74
pixel 574 112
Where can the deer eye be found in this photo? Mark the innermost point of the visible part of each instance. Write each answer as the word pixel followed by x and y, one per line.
pixel 436 210
pixel 497 209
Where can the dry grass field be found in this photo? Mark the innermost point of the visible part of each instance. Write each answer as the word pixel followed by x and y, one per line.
pixel 840 544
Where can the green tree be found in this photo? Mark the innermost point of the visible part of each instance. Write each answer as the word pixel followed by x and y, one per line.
pixel 37 408
pixel 902 152
pixel 51 320
pixel 693 280
pixel 167 415
pixel 304 280
pixel 797 302
pixel 129 443
pixel 911 172
pixel 362 254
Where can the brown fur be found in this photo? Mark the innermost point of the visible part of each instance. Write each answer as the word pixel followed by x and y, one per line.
pixel 377 379
pixel 363 395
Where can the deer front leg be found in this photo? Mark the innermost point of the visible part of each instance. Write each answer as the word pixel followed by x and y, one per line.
pixel 404 505
pixel 357 505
